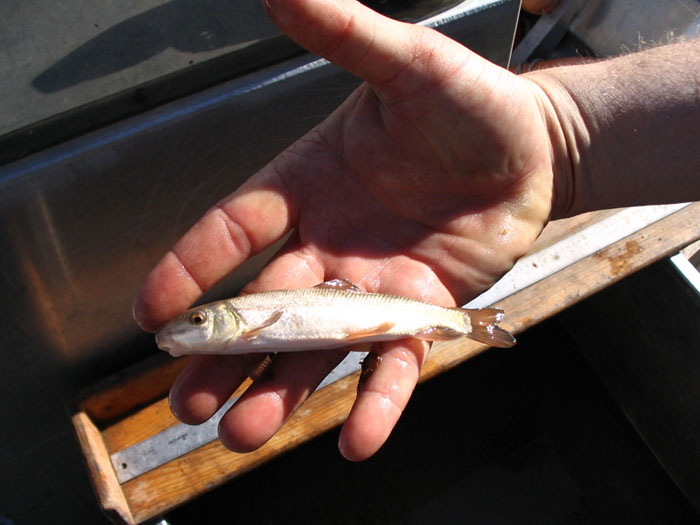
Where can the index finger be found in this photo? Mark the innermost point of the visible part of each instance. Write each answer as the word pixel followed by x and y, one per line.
pixel 246 222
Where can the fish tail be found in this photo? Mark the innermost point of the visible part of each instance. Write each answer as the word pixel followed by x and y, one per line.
pixel 485 329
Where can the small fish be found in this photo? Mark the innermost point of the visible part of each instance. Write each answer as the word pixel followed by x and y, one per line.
pixel 333 314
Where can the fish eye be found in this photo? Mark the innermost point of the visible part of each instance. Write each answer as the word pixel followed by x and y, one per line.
pixel 198 317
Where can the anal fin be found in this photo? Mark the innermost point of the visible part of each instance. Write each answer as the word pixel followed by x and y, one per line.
pixel 438 333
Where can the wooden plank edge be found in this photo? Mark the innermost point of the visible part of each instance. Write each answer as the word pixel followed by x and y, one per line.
pixel 131 388
pixel 104 479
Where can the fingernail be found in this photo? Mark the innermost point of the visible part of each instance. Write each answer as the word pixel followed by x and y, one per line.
pixel 173 405
pixel 341 447
pixel 345 452
pixel 138 312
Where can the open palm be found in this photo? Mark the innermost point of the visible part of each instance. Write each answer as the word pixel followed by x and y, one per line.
pixel 430 181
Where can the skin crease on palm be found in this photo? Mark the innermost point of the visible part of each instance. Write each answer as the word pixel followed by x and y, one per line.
pixel 430 181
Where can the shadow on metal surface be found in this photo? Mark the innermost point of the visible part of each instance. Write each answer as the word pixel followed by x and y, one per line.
pixel 186 25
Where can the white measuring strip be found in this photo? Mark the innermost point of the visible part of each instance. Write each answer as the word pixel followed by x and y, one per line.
pixel 180 439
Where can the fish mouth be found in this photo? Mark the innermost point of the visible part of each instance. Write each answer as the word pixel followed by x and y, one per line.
pixel 163 345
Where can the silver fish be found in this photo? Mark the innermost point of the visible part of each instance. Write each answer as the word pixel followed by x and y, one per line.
pixel 333 314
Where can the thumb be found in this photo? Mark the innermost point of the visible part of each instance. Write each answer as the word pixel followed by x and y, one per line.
pixel 352 36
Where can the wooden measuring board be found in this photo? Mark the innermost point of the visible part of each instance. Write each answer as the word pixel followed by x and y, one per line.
pixel 129 414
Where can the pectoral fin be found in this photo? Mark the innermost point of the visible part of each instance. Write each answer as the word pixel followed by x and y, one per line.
pixel 252 333
pixel 339 284
pixel 377 330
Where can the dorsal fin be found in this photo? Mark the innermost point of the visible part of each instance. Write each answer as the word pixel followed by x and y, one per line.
pixel 339 284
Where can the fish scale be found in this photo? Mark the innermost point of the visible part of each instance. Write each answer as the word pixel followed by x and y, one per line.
pixel 331 315
pixel 323 311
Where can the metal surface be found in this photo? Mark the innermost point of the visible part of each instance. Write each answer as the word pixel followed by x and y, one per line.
pixel 547 32
pixel 119 59
pixel 180 439
pixel 612 27
pixel 109 50
pixel 83 222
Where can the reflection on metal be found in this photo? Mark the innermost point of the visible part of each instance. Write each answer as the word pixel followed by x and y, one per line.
pixel 53 237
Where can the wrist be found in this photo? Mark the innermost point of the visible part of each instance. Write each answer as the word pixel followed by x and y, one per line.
pixel 623 131
pixel 569 140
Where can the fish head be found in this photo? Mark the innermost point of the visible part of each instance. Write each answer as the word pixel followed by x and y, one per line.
pixel 202 330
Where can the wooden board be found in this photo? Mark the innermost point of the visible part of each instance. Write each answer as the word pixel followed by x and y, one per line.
pixel 103 431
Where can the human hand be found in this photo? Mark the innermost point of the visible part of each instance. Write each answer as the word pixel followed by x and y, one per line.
pixel 429 181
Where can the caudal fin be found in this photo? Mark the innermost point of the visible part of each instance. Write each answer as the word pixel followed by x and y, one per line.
pixel 485 327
